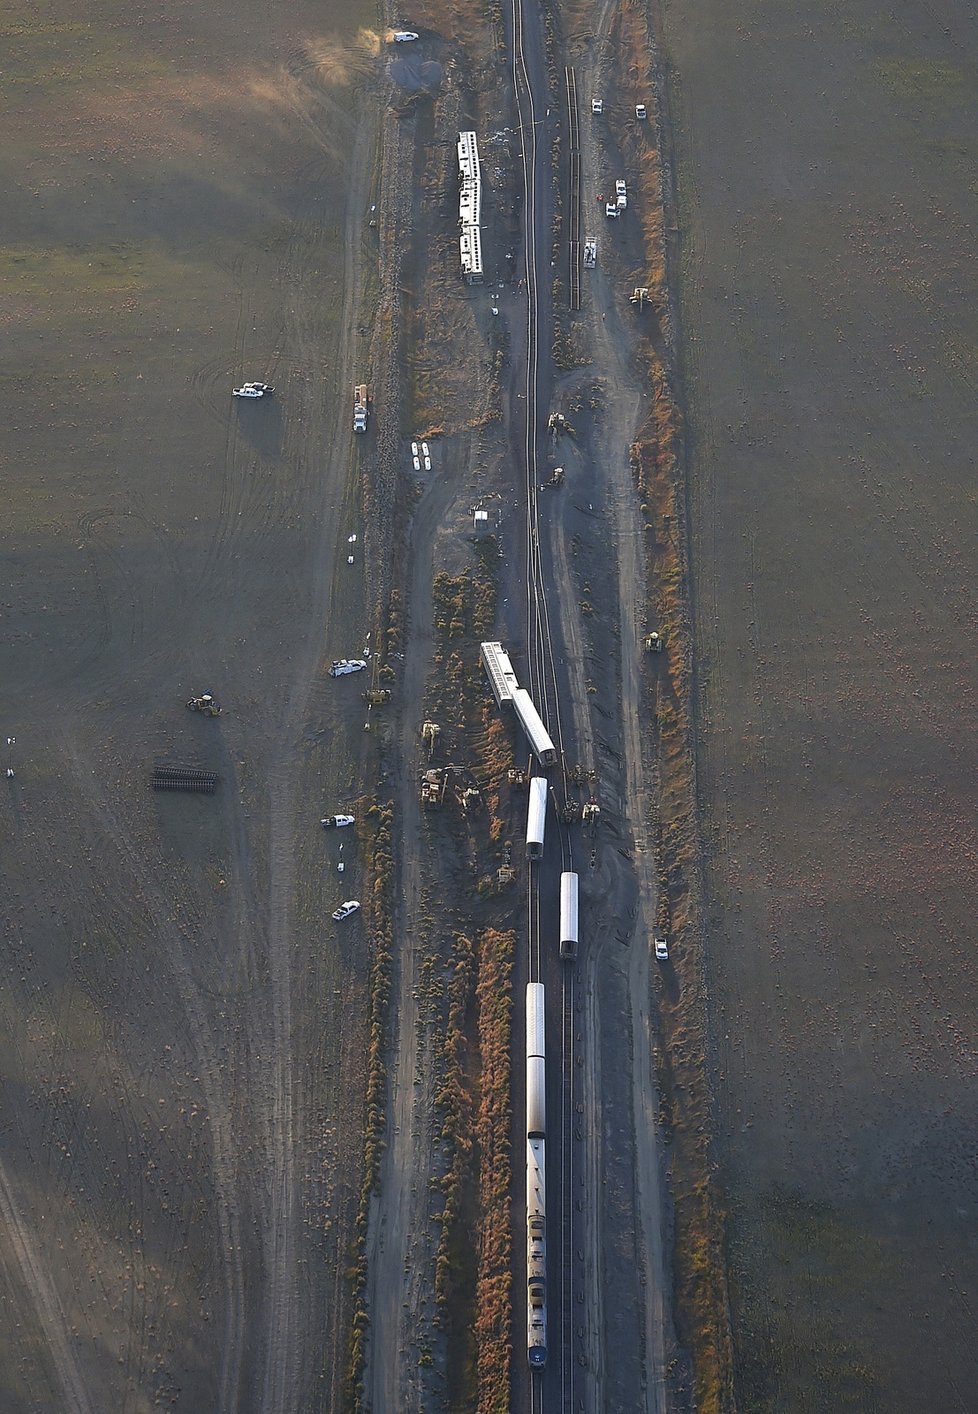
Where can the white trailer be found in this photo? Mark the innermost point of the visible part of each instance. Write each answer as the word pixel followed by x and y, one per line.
pixel 532 723
pixel 568 916
pixel 536 817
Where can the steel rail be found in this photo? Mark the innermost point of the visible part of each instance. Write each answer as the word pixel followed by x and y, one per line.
pixel 544 688
pixel 573 190
pixel 567 1191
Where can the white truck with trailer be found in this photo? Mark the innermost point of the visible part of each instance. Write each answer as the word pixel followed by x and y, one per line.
pixel 360 404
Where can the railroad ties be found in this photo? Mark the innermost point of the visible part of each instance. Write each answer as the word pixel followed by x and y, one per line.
pixel 186 778
pixel 574 190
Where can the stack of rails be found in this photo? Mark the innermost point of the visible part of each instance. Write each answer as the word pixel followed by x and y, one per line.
pixel 536 1180
pixel 187 778
pixel 470 208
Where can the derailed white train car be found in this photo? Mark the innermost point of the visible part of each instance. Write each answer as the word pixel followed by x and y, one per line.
pixel 568 917
pixel 536 1184
pixel 536 817
pixel 532 723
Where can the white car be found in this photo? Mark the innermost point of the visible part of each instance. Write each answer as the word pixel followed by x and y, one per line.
pixel 641 112
pixel 611 211
pixel 336 822
pixel 345 909
pixel 661 946
pixel 597 105
pixel 404 36
pixel 253 390
pixel 341 666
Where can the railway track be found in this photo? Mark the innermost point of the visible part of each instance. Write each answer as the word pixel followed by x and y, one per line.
pixel 543 681
pixel 573 190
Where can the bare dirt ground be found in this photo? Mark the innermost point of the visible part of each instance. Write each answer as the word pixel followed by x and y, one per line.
pixel 828 205
pixel 182 1054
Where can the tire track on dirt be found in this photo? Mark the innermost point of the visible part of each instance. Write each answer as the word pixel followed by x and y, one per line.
pixel 45 1299
pixel 286 1363
pixel 404 1188
pixel 281 1366
pixel 640 787
pixel 221 1128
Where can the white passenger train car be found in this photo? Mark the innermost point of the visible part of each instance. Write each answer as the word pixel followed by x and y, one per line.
pixel 536 817
pixel 536 1180
pixel 568 917
pixel 532 723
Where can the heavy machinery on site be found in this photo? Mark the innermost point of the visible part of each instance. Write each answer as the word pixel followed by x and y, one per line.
pixel 205 705
pixel 434 784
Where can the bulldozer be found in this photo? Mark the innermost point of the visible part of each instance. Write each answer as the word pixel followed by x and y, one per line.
pixel 654 642
pixel 377 696
pixel 204 704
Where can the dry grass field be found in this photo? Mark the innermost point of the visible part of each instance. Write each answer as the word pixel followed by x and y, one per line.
pixel 185 189
pixel 827 161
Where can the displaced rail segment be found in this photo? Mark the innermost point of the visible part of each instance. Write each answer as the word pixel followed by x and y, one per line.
pixel 186 778
pixel 573 191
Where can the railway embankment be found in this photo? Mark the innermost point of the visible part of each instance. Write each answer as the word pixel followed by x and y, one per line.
pixel 659 466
